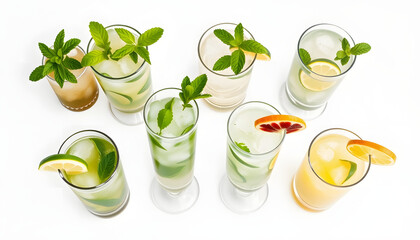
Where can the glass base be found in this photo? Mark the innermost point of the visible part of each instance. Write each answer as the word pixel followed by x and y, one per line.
pixel 134 118
pixel 223 107
pixel 240 201
pixel 116 211
pixel 300 201
pixel 174 202
pixel 294 108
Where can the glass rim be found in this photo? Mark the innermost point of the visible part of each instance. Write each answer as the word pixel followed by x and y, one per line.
pixel 319 177
pixel 244 71
pixel 110 177
pixel 118 78
pixel 308 69
pixel 239 149
pixel 79 76
pixel 153 132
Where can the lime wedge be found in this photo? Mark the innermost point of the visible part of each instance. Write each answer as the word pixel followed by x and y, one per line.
pixel 69 163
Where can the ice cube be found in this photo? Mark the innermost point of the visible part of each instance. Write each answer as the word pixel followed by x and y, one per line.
pixel 86 150
pixel 110 68
pixel 89 179
pixel 183 118
pixel 325 153
pixel 127 65
pixel 73 53
pixel 339 174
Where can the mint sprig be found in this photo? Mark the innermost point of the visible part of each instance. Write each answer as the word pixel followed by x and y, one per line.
pixel 353 168
pixel 192 90
pixel 344 54
pixel 189 91
pixel 58 61
pixel 132 48
pixel 237 59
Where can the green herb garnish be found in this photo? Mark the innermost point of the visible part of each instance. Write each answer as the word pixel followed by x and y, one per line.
pixel 344 54
pixel 237 59
pixel 58 61
pixel 165 115
pixel 353 168
pixel 192 90
pixel 133 49
pixel 189 91
pixel 243 147
pixel 106 166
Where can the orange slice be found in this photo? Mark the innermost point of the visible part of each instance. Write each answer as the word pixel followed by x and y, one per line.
pixel 278 123
pixel 379 155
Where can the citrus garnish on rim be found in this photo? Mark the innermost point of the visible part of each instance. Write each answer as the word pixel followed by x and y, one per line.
pixel 69 163
pixel 260 56
pixel 379 155
pixel 278 123
pixel 322 67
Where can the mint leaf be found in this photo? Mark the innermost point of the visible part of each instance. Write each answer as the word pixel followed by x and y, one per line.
pixel 345 60
pixel 58 78
pixel 185 82
pixel 239 34
pixel 48 68
pixel 92 58
pixel 353 168
pixel 187 129
pixel 99 35
pixel 134 57
pixel 150 36
pixel 165 116
pixel 71 63
pixel 46 51
pixel 340 55
pixel 254 46
pixel 59 40
pixel 120 53
pixel 243 147
pixel 198 85
pixel 304 56
pixel 126 35
pixel 106 166
pixel 224 36
pixel 69 76
pixel 69 45
pixel 142 51
pixel 222 63
pixel 155 142
pixel 37 74
pixel 237 61
pixel 345 45
pixel 360 48
pixel 240 160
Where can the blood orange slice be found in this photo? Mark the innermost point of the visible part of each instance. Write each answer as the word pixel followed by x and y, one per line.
pixel 277 123
pixel 379 155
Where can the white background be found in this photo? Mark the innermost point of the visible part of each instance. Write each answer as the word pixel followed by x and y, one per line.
pixel 378 99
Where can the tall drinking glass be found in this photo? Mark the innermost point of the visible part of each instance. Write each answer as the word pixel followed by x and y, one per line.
pixel 251 155
pixel 309 86
pixel 76 96
pixel 126 84
pixel 328 170
pixel 174 189
pixel 101 197
pixel 227 89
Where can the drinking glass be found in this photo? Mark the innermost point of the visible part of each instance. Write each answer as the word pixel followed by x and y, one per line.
pixel 321 179
pixel 309 87
pixel 174 189
pixel 76 96
pixel 126 84
pixel 107 198
pixel 227 89
pixel 245 187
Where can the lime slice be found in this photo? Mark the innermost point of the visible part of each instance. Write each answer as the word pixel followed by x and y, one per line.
pixel 69 163
pixel 322 67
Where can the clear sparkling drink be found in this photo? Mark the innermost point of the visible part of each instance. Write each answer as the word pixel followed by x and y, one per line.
pixel 226 88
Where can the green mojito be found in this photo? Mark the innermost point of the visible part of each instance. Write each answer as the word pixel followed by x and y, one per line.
pixel 120 59
pixel 171 116
pixel 101 186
